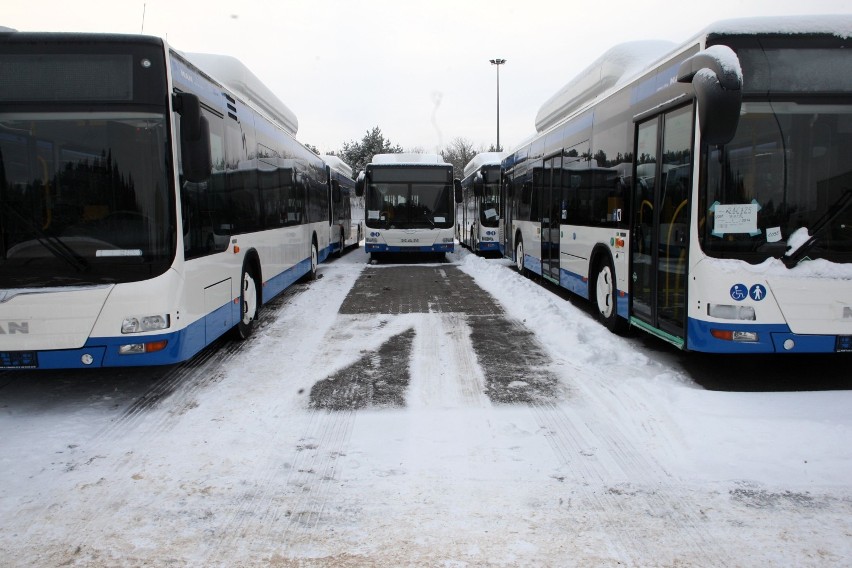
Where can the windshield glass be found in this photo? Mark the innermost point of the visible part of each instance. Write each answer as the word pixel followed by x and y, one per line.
pixel 490 204
pixel 419 202
pixel 84 198
pixel 787 168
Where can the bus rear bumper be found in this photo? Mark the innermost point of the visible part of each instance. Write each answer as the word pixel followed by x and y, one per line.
pixel 448 247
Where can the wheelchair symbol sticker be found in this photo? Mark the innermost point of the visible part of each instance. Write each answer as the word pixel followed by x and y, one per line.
pixel 739 292
pixel 757 292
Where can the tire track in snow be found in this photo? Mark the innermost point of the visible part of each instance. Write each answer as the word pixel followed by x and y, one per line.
pixel 620 484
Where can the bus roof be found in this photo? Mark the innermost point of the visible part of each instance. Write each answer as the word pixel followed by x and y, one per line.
pixel 625 61
pixel 484 159
pixel 408 158
pixel 614 66
pixel 336 163
pixel 238 78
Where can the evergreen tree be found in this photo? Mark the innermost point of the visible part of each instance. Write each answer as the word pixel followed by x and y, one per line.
pixel 359 153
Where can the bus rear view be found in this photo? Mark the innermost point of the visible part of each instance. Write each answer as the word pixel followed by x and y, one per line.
pixel 409 204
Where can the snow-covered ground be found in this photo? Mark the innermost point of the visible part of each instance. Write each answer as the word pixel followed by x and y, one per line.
pixel 224 463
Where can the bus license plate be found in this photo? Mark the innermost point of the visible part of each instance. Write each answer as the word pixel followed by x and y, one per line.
pixel 18 360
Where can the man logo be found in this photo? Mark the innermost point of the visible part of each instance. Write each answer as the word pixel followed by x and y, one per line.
pixel 14 327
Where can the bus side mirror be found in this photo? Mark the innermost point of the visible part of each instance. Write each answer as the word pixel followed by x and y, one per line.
pixel 195 154
pixel 457 190
pixel 717 79
pixel 335 191
pixel 188 107
pixel 477 185
pixel 359 184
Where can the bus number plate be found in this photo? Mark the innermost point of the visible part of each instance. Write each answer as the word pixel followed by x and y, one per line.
pixel 18 360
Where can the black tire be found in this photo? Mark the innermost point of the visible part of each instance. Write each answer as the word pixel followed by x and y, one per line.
pixel 519 255
pixel 249 303
pixel 312 273
pixel 603 294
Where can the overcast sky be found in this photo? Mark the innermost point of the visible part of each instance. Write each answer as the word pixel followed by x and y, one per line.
pixel 418 70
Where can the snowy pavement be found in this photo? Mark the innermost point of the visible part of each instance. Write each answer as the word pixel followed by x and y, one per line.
pixel 302 448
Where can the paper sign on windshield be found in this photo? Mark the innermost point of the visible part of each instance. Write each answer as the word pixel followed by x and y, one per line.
pixel 736 218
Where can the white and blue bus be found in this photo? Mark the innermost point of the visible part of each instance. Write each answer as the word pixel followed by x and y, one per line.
pixel 477 215
pixel 146 208
pixel 409 204
pixel 345 232
pixel 704 194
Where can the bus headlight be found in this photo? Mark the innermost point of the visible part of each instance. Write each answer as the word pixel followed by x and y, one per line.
pixel 139 324
pixel 725 311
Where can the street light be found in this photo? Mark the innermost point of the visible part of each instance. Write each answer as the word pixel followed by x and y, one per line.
pixel 498 63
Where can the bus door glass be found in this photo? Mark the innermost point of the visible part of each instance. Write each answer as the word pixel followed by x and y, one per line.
pixel 551 210
pixel 663 181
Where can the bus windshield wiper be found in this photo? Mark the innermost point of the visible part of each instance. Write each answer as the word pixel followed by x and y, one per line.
pixel 833 211
pixel 53 244
pixel 428 220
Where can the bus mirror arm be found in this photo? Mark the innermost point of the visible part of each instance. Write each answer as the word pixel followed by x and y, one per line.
pixel 195 154
pixel 359 184
pixel 717 80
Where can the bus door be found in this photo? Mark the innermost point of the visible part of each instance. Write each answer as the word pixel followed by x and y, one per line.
pixel 550 206
pixel 662 184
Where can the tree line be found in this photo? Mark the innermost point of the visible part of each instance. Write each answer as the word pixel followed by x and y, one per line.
pixel 357 153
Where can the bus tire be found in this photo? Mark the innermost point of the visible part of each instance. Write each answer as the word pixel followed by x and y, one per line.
pixel 312 273
pixel 249 302
pixel 519 256
pixel 604 296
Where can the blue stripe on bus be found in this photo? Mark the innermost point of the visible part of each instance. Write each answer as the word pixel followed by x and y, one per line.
pixel 490 246
pixel 182 344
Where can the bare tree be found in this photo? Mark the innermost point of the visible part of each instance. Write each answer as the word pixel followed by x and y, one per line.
pixel 458 153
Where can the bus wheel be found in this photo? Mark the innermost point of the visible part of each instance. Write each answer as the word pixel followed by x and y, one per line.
pixel 605 292
pixel 519 256
pixel 312 275
pixel 248 304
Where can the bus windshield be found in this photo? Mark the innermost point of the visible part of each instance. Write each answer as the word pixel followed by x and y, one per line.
pixel 490 204
pixel 787 168
pixel 84 198
pixel 411 200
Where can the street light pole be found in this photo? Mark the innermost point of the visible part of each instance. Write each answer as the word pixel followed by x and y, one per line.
pixel 498 63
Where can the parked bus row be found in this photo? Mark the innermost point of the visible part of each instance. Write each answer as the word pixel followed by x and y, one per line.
pixel 150 201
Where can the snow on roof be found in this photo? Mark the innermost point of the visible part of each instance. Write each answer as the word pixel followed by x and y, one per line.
pixel 626 60
pixel 237 77
pixel 407 158
pixel 615 65
pixel 484 159
pixel 839 25
pixel 336 163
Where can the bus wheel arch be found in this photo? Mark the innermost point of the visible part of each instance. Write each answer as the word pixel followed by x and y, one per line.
pixel 251 295
pixel 603 292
